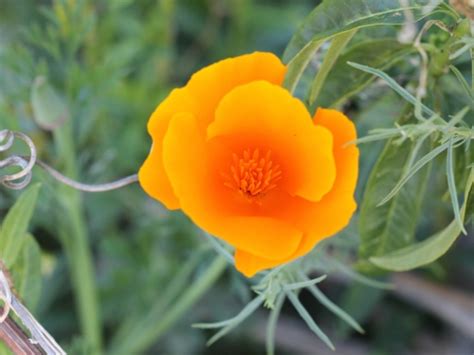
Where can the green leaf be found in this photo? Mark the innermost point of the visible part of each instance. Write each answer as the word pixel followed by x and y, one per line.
pixel 298 64
pixel 231 323
pixel 333 17
pixel 452 186
pixel 395 86
pixel 308 319
pixel 421 253
pixel 334 308
pixel 391 226
pixel 27 272
pixel 430 249
pixel 344 81
pixel 14 227
pixel 49 109
pixel 464 85
pixel 337 46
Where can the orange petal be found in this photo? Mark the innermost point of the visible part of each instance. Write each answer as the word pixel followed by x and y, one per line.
pixel 267 115
pixel 249 264
pixel 152 175
pixel 200 97
pixel 212 83
pixel 186 160
pixel 330 215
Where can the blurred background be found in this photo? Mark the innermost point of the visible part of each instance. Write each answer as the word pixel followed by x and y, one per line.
pixel 112 62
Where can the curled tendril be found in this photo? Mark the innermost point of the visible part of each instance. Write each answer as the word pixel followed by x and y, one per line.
pixel 21 179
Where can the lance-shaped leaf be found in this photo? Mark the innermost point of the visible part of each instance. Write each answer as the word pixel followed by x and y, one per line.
pixel 333 17
pixel 27 272
pixel 13 232
pixel 344 81
pixel 392 225
pixel 432 248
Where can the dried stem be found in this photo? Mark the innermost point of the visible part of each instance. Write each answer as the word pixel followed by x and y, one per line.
pixel 14 337
pixel 22 178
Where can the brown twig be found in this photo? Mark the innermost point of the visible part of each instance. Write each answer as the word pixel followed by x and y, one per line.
pixel 14 337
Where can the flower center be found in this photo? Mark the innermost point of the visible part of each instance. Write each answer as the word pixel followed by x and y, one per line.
pixel 252 174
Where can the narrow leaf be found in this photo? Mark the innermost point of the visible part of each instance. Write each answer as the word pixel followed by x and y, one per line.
pixel 391 226
pixel 333 17
pixel 344 81
pixel 334 308
pixel 246 311
pixel 308 319
pixel 430 249
pixel 413 170
pixel 27 272
pixel 452 186
pixel 394 85
pixel 337 46
pixel 303 284
pixel 14 227
pixel 298 64
pixel 336 16
pixel 465 86
pixel 272 325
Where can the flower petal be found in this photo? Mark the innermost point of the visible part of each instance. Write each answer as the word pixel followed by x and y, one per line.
pixel 335 210
pixel 330 215
pixel 267 115
pixel 215 81
pixel 152 175
pixel 186 159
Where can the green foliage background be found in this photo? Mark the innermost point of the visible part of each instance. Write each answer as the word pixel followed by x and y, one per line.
pixel 110 63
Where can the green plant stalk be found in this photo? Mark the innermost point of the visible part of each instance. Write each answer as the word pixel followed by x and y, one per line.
pixel 73 233
pixel 150 331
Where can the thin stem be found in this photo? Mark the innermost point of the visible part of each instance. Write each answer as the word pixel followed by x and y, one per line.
pixel 21 179
pixel 88 187
pixel 12 335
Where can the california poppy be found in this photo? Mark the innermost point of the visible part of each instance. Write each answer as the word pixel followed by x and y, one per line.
pixel 246 162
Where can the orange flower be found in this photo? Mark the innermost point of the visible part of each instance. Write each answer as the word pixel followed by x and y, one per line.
pixel 243 159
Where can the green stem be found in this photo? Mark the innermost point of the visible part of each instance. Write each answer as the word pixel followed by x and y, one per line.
pixel 150 330
pixel 73 233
